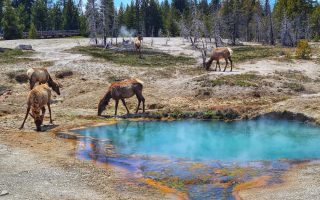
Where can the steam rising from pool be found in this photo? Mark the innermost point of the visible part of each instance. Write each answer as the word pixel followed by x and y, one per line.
pixel 263 139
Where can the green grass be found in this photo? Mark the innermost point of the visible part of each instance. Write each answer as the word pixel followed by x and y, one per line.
pixel 10 56
pixel 242 80
pixel 131 58
pixel 246 53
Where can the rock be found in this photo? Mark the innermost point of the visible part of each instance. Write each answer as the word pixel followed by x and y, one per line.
pixel 4 192
pixel 3 49
pixel 24 47
pixel 63 73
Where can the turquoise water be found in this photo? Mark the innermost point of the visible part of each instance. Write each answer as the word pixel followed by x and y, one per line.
pixel 263 139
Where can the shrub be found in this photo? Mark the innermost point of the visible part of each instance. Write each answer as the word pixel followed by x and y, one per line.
pixel 303 50
pixel 32 32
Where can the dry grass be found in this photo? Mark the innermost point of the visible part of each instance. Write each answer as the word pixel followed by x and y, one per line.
pixel 131 58
pixel 247 53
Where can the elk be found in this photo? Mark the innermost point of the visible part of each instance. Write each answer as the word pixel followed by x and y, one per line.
pixel 38 97
pixel 121 90
pixel 217 54
pixel 137 44
pixel 42 76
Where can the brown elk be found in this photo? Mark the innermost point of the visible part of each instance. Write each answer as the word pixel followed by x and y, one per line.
pixel 42 76
pixel 122 90
pixel 220 53
pixel 138 44
pixel 38 97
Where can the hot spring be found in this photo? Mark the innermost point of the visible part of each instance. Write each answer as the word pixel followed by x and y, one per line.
pixel 263 139
pixel 204 159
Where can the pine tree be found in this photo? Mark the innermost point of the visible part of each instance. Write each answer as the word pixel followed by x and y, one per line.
pixel 121 17
pixel 40 15
pixel 70 16
pixel 27 12
pixel 12 27
pixel 55 17
pixel 32 31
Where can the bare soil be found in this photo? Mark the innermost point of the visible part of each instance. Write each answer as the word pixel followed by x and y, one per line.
pixel 40 165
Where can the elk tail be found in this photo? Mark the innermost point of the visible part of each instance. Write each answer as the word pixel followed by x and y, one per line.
pixel 30 72
pixel 230 51
pixel 139 81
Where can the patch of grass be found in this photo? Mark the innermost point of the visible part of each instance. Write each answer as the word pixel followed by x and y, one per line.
pixel 210 114
pixel 294 75
pixel 297 87
pixel 246 53
pixel 131 58
pixel 303 50
pixel 117 77
pixel 9 56
pixel 46 63
pixel 19 75
pixel 242 80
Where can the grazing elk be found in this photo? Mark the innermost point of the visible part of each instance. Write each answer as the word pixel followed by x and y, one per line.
pixel 122 90
pixel 220 53
pixel 42 76
pixel 137 44
pixel 38 98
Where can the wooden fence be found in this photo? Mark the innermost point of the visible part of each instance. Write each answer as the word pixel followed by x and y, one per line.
pixel 52 34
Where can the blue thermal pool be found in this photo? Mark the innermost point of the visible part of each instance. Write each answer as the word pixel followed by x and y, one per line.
pixel 263 139
pixel 204 159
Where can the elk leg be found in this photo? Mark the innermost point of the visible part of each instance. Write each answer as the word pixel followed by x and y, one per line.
pixel 143 100
pixel 216 65
pixel 226 65
pixel 140 55
pixel 49 112
pixel 140 98
pixel 117 102
pixel 139 101
pixel 31 84
pixel 125 105
pixel 231 63
pixel 43 110
pixel 25 118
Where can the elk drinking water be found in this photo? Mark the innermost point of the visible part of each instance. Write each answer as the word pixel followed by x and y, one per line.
pixel 122 90
pixel 220 53
pixel 42 76
pixel 38 97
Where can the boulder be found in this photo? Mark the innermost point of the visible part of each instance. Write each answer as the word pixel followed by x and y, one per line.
pixel 27 47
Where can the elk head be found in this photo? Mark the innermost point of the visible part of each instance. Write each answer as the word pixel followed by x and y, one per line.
pixel 38 119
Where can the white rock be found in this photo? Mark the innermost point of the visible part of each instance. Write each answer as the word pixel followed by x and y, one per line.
pixel 4 192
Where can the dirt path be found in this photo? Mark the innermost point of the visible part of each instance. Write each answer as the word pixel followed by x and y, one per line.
pixel 26 176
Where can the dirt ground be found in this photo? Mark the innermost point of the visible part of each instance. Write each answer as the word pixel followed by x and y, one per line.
pixel 41 166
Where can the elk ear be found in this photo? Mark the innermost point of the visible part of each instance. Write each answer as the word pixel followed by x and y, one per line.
pixel 31 115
